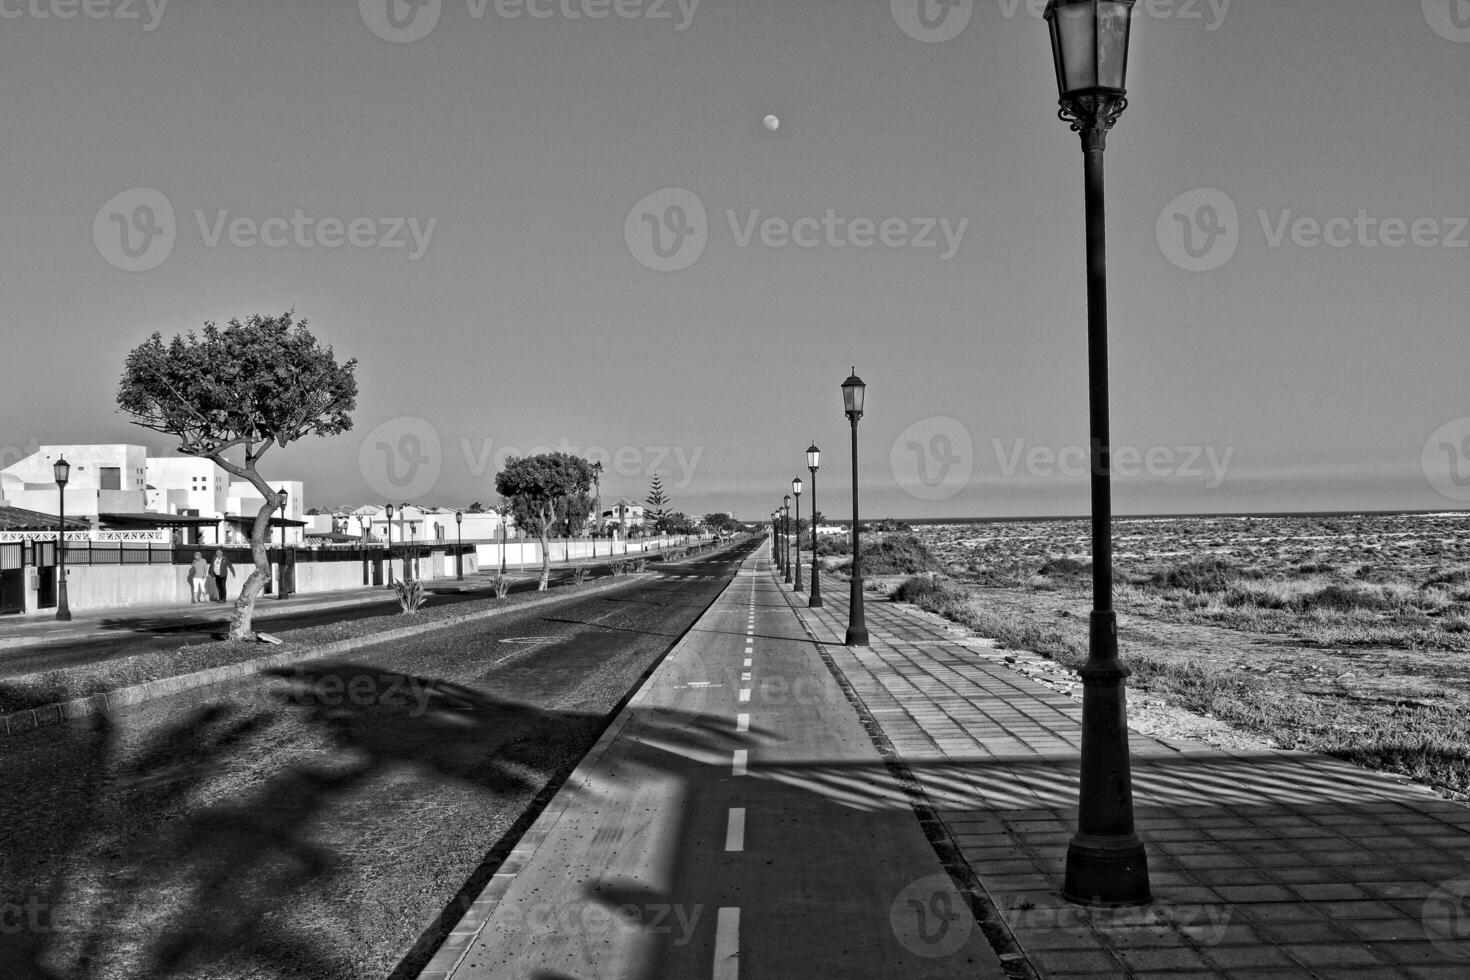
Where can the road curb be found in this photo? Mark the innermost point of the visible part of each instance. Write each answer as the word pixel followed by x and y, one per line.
pixel 48 715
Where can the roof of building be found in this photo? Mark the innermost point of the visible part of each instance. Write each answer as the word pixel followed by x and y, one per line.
pixel 148 519
pixel 20 519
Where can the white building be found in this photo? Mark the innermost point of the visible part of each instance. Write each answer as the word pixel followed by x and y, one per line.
pixel 187 485
pixel 625 512
pixel 108 479
pixel 244 501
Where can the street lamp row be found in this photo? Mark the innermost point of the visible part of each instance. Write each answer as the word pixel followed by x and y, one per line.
pixel 1106 863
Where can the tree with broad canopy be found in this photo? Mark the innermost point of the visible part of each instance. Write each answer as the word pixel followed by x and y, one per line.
pixel 544 490
pixel 250 386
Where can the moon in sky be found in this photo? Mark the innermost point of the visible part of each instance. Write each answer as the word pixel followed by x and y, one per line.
pixel 772 123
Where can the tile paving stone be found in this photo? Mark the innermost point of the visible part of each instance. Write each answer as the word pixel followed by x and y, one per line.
pixel 1333 954
pixel 1254 855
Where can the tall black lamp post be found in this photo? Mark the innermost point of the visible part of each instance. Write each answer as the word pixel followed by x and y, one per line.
pixel 796 490
pixel 281 564
pixel 459 544
pixel 388 520
pixel 813 457
pixel 853 392
pixel 775 540
pixel 1106 863
pixel 597 524
pixel 786 538
pixel 61 469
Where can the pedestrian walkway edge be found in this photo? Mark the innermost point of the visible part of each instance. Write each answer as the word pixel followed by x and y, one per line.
pixel 982 905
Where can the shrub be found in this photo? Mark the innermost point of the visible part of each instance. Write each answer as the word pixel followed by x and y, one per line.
pixel 501 585
pixel 618 566
pixel 410 593
pixel 580 573
pixel 832 544
pixel 898 555
pixel 1344 598
pixel 1204 575
pixel 1064 568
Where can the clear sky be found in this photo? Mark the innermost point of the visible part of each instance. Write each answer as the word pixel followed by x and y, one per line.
pixel 505 291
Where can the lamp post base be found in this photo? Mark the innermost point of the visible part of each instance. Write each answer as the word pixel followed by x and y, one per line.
pixel 1106 872
pixel 856 638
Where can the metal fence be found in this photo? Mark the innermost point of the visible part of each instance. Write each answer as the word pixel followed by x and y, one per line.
pixel 144 553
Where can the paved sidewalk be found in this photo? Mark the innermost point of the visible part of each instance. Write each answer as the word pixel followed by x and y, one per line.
pixel 1263 864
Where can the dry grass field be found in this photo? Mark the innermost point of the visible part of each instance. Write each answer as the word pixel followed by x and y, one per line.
pixel 1348 635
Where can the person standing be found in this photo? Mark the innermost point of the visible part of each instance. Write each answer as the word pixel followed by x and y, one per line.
pixel 221 568
pixel 198 568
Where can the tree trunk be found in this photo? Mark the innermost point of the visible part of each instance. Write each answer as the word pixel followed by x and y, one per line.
pixel 545 560
pixel 255 581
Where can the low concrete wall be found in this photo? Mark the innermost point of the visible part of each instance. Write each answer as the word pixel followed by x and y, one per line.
pixel 562 550
pixel 108 586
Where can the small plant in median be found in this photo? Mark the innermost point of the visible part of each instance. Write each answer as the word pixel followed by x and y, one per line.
pixel 410 593
pixel 618 566
pixel 501 585
pixel 580 573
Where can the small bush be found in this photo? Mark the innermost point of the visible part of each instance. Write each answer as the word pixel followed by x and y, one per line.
pixel 580 573
pixel 1205 575
pixel 1345 598
pixel 501 585
pixel 1064 568
pixel 832 544
pixel 898 556
pixel 618 566
pixel 410 593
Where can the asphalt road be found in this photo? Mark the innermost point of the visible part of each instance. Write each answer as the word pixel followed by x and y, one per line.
pixel 318 822
pixel 124 636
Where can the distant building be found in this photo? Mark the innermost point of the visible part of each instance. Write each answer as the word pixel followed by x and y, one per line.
pixel 625 513
pixel 110 479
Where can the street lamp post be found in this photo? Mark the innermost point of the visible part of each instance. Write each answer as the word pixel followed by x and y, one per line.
pixel 1106 862
pixel 61 469
pixel 853 393
pixel 597 524
pixel 459 544
pixel 813 457
pixel 281 564
pixel 796 489
pixel 388 521
pixel 362 545
pixel 786 538
pixel 775 547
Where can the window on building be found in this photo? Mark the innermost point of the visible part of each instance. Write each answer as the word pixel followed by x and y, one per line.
pixel 111 477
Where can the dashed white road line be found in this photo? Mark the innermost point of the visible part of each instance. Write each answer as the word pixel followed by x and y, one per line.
pixel 745 694
pixel 742 723
pixel 735 831
pixel 739 762
pixel 727 944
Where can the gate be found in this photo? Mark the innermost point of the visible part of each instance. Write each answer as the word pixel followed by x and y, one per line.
pixel 44 556
pixel 378 569
pixel 12 578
